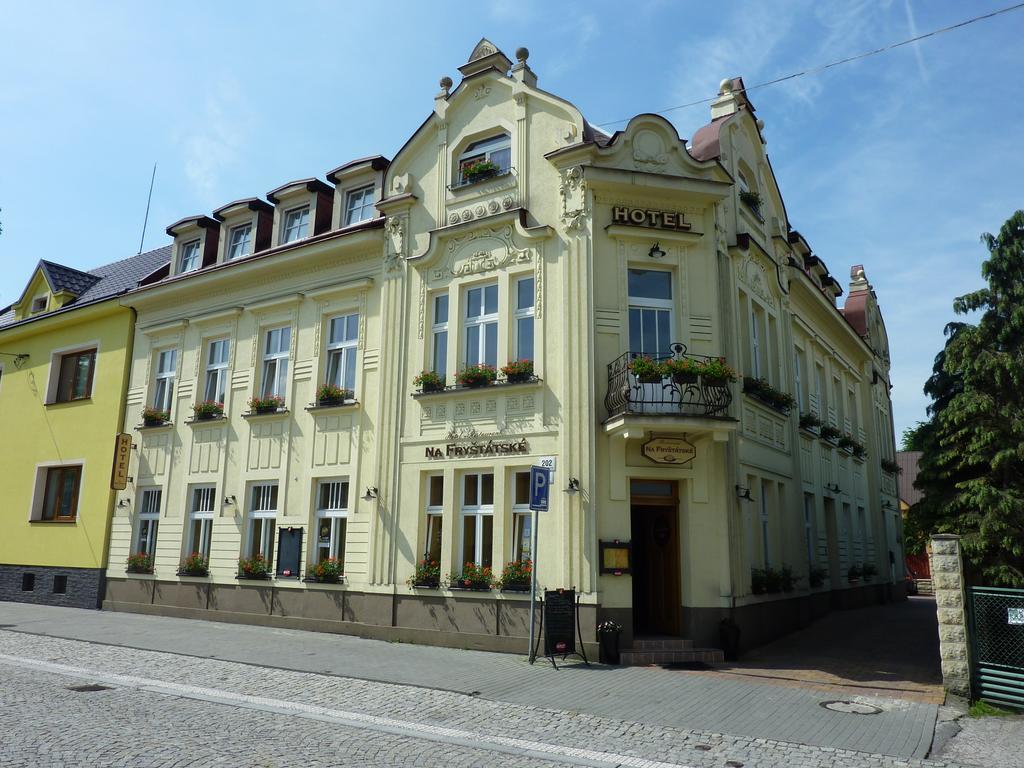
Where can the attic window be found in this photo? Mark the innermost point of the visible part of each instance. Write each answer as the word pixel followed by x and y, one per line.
pixel 189 258
pixel 39 304
pixel 485 158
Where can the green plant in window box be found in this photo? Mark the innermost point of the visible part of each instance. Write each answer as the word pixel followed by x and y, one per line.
pixel 853 573
pixel 516 575
pixel 481 169
pixel 255 567
pixel 429 381
pixel 752 200
pixel 758 581
pixel 427 574
pixel 767 394
pixel 846 443
pixel 140 562
pixel 890 466
pixel 809 421
pixel 816 577
pixel 859 451
pixel 772 580
pixel 830 433
pixel 269 404
pixel 647 369
pixel 473 576
pixel 683 370
pixel 867 571
pixel 715 372
pixel 518 371
pixel 194 565
pixel 331 394
pixel 208 409
pixel 155 417
pixel 478 375
pixel 327 571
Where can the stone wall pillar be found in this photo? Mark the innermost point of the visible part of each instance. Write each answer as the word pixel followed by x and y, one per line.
pixel 951 602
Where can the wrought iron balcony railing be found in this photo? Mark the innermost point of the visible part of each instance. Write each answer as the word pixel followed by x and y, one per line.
pixel 666 395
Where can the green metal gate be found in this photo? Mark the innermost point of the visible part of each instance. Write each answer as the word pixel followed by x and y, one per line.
pixel 997 645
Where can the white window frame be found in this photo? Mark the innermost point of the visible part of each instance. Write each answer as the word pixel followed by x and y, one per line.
pixel 33 309
pixel 359 205
pixel 276 360
pixel 199 515
pixel 164 379
pixel 344 351
pixel 480 512
pixel 809 515
pixel 522 520
pixel 524 313
pixel 481 322
pixel 765 525
pixel 483 150
pixel 189 256
pixel 658 305
pixel 435 517
pixel 439 334
pixel 293 231
pixel 798 379
pixel 148 520
pixel 756 332
pixel 245 243
pixel 217 371
pixel 338 516
pixel 262 507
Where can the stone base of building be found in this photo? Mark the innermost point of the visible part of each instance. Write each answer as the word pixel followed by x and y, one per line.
pixel 484 622
pixel 48 585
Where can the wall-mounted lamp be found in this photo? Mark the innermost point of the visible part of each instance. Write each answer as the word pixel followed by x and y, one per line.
pixel 833 487
pixel 371 493
pixel 744 493
pixel 229 500
pixel 656 252
pixel 573 486
pixel 124 503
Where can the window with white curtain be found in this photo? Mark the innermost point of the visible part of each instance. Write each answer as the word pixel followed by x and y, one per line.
pixel 524 318
pixel 435 512
pixel 482 325
pixel 163 380
pixel 522 518
pixel 216 371
pixel 477 518
pixel 342 340
pixel 200 519
pixel 296 224
pixel 275 361
pixel 331 520
pixel 262 516
pixel 148 521
pixel 439 334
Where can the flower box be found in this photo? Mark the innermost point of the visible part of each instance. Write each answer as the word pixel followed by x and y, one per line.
pixel 264 405
pixel 155 417
pixel 516 587
pixel 255 567
pixel 479 375
pixel 194 565
pixel 329 394
pixel 426 585
pixel 208 409
pixel 429 381
pixel 518 371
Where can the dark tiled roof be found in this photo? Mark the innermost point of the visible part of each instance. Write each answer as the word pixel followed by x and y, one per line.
pixel 908 461
pixel 63 278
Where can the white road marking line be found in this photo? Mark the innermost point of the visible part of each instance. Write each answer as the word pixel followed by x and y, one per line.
pixel 408 728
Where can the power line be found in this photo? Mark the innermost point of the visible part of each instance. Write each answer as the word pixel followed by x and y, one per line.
pixel 847 60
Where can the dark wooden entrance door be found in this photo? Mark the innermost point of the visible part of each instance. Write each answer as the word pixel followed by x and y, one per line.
pixel 656 588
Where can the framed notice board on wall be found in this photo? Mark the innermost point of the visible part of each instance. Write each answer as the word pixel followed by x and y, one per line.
pixel 289 552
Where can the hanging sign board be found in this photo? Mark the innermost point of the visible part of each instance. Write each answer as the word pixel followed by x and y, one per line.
pixel 669 450
pixel 122 452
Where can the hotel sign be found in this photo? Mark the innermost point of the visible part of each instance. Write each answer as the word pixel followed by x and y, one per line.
pixel 122 452
pixel 669 450
pixel 647 217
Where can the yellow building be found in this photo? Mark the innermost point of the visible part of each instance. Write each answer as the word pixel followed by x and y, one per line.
pixel 513 286
pixel 64 349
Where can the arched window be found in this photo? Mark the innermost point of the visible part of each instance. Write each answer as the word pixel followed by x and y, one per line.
pixel 485 158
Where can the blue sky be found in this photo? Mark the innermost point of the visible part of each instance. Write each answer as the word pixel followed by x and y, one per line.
pixel 897 162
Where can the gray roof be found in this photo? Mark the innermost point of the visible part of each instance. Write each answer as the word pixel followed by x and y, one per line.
pixel 97 284
pixel 908 461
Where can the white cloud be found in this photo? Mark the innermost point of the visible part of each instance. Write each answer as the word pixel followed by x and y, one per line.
pixel 212 142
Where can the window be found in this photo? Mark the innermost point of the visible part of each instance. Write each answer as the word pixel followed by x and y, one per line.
pixel 331 520
pixel 217 371
pixel 522 518
pixel 188 259
pixel 74 381
pixel 496 150
pixel 435 508
pixel 149 520
pixel 296 223
pixel 275 361
pixel 359 205
pixel 798 380
pixel 262 514
pixel 809 526
pixel 439 332
pixel 477 518
pixel 200 520
pixel 163 385
pixel 765 524
pixel 756 342
pixel 39 304
pixel 60 499
pixel 650 311
pixel 524 319
pixel 482 325
pixel 239 241
pixel 342 339
pixel 744 184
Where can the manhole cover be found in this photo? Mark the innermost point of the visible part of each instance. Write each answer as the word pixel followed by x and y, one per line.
pixel 91 688
pixel 851 707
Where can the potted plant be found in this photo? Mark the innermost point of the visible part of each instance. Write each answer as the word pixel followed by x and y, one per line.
pixel 646 369
pixel 474 577
pixel 328 571
pixel 608 632
pixel 428 381
pixel 477 375
pixel 758 581
pixel 714 372
pixel 859 451
pixel 427 574
pixel 683 370
pixel 518 371
pixel 331 394
pixel 516 575
pixel 846 443
pixel 481 169
pixel 890 466
pixel 809 421
pixel 853 574
pixel 767 394
pixel 255 567
pixel 194 565
pixel 830 433
pixel 786 579
pixel 140 562
pixel 772 580
pixel 208 409
pixel 816 577
pixel 752 200
pixel 268 404
pixel 867 571
pixel 155 417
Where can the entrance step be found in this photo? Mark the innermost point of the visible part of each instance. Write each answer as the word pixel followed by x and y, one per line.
pixel 662 644
pixel 924 587
pixel 640 658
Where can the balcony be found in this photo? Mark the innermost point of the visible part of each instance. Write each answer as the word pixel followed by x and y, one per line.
pixel 668 398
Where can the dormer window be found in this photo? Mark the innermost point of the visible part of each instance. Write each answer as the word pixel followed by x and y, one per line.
pixel 486 158
pixel 189 258
pixel 39 304
pixel 240 241
pixel 296 224
pixel 359 205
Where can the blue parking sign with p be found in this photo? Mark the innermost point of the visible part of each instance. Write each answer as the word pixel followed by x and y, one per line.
pixel 540 482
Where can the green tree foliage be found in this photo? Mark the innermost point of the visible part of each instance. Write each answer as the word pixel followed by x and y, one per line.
pixel 972 470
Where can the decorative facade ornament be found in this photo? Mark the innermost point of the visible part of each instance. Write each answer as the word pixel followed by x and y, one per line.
pixel 507 202
pixel 483 90
pixel 573 188
pixel 395 229
pixel 493 206
pixel 753 274
pixel 649 151
pixel 453 218
pixel 492 249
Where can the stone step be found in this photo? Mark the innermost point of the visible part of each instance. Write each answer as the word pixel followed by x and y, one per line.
pixel 634 658
pixel 924 587
pixel 662 644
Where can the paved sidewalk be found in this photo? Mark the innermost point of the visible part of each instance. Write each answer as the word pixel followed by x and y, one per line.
pixel 642 695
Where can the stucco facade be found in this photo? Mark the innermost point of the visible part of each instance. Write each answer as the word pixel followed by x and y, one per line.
pixel 508 229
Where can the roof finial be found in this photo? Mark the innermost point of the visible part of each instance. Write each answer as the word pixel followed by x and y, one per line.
pixel 522 54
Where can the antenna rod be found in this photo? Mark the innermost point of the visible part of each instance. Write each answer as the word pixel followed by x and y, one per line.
pixel 148 201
